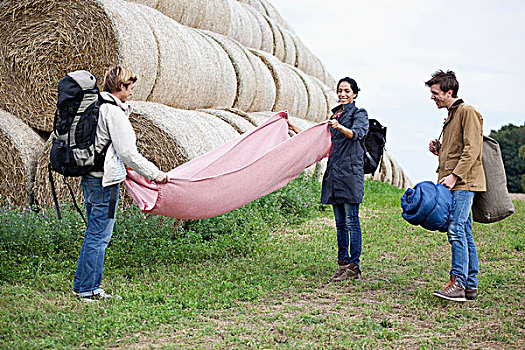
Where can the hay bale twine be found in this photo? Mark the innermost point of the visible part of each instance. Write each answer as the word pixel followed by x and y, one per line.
pixel 239 123
pixel 244 70
pixel 278 49
pixel 20 147
pixel 242 114
pixel 194 71
pixel 166 136
pixel 283 80
pixel 265 88
pixel 317 104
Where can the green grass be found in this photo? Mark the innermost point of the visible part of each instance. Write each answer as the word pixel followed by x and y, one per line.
pixel 258 278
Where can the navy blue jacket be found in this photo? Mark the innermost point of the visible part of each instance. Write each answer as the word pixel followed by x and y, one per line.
pixel 343 181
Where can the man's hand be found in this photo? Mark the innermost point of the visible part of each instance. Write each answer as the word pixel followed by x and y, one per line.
pixel 449 181
pixel 434 146
pixel 162 178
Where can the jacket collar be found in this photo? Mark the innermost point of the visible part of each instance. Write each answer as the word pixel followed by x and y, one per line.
pixel 112 98
pixel 456 104
pixel 343 108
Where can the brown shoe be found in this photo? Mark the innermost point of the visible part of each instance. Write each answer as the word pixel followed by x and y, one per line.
pixel 452 290
pixel 340 270
pixel 351 271
pixel 471 294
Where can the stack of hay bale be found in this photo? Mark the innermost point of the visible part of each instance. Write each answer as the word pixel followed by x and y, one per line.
pixel 204 69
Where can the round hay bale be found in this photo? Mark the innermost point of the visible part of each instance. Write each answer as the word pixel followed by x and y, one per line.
pixel 278 49
pixel 272 12
pixel 290 54
pixel 194 71
pixel 284 81
pixel 265 88
pixel 150 3
pixel 244 70
pixel 396 173
pixel 300 101
pixel 331 98
pixel 20 147
pixel 266 43
pixel 41 42
pixel 240 124
pixel 210 15
pixel 256 4
pixel 166 136
pixel 242 114
pixel 244 26
pixel 317 105
pixel 386 169
pixel 261 117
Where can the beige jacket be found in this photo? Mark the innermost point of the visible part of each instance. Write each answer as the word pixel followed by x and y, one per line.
pixel 114 125
pixel 460 151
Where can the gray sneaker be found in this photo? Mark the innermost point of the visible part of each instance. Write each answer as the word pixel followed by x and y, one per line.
pixel 452 290
pixel 351 271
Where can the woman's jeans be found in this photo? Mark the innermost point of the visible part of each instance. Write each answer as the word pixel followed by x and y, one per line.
pixel 465 265
pixel 347 221
pixel 98 233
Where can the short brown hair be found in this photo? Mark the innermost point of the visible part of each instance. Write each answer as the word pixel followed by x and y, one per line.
pixel 117 76
pixel 447 81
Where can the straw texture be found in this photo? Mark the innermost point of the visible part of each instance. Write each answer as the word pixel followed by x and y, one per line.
pixel 317 108
pixel 41 41
pixel 19 149
pixel 239 123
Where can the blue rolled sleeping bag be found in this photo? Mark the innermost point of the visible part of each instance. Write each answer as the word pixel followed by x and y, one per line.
pixel 429 205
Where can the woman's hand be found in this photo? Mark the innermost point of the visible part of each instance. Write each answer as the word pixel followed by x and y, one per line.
pixel 162 178
pixel 292 126
pixel 335 124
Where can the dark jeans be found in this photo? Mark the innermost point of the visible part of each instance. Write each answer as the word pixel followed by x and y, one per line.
pixel 348 233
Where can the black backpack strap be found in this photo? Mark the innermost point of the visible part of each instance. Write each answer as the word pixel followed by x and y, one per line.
pixel 113 201
pixel 74 200
pixel 53 191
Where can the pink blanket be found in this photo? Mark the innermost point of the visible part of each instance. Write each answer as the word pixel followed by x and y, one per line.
pixel 234 174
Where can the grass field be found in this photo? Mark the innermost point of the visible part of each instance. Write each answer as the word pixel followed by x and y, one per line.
pixel 258 278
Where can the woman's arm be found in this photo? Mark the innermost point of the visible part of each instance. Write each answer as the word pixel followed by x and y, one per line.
pixel 347 132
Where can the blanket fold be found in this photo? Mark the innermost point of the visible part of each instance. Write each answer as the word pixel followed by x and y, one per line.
pixel 234 174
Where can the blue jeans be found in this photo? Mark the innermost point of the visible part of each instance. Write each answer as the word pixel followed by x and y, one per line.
pixel 465 265
pixel 347 221
pixel 98 233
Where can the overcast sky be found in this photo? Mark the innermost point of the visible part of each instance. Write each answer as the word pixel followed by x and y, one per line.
pixel 392 47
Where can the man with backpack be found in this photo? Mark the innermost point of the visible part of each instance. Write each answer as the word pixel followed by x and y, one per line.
pixel 461 171
pixel 115 136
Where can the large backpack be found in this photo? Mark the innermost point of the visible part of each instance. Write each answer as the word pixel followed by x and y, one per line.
pixel 74 129
pixel 373 145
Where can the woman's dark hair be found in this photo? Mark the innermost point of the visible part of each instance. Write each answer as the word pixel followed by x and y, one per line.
pixel 447 81
pixel 352 83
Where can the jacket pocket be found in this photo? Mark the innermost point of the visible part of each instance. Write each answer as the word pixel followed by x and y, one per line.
pixel 450 165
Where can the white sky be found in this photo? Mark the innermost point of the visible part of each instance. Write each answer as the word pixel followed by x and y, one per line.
pixel 392 47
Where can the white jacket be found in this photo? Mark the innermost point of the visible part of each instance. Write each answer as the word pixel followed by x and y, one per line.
pixel 114 125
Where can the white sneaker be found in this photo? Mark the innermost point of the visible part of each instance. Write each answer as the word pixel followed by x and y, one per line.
pixel 96 297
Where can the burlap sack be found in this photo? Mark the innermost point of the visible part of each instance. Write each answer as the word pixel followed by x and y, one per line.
pixel 494 204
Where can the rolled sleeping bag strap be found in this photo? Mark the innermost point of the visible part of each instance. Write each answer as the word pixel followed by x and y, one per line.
pixel 113 201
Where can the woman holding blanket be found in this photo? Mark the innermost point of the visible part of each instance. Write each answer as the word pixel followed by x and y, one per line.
pixel 343 181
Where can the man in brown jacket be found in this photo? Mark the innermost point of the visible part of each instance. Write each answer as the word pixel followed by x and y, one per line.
pixel 461 171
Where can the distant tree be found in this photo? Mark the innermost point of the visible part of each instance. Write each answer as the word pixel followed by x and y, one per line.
pixel 511 139
pixel 522 156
